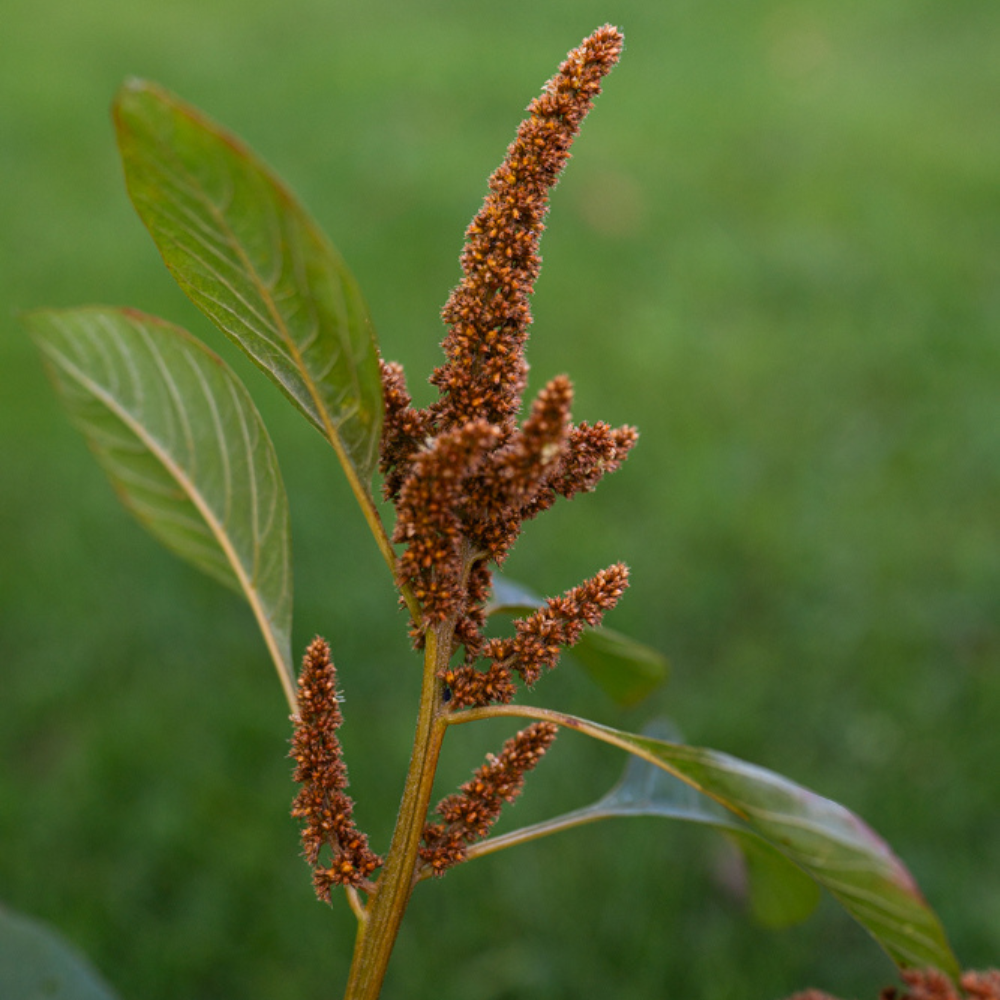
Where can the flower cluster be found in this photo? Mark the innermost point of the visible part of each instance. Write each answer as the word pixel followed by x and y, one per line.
pixel 463 474
pixel 468 815
pixel 319 768
pixel 931 985
pixel 537 641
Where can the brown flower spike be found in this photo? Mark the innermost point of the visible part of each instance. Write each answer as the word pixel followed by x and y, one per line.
pixel 319 768
pixel 538 640
pixel 469 814
pixel 462 473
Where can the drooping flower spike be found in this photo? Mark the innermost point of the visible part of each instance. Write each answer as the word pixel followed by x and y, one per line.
pixel 319 768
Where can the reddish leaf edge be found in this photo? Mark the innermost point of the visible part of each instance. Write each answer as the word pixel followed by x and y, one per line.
pixel 894 913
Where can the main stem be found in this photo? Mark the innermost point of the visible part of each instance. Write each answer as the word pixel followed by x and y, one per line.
pixel 377 934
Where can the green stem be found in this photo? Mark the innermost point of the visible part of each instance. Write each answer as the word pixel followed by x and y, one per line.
pixel 514 711
pixel 354 901
pixel 537 830
pixel 377 935
pixel 527 833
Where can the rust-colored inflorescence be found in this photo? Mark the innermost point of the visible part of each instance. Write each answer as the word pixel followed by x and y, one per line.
pixel 538 640
pixel 929 984
pixel 319 768
pixel 463 474
pixel 468 815
pixel 488 313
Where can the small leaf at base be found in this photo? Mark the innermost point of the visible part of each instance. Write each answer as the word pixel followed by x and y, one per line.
pixel 36 961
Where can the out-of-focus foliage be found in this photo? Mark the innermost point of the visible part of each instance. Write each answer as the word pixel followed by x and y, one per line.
pixel 36 962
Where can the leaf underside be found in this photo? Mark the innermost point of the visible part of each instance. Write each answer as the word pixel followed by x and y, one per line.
pixel 780 893
pixel 248 255
pixel 185 449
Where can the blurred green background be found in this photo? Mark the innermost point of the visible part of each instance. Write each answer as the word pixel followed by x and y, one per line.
pixel 776 251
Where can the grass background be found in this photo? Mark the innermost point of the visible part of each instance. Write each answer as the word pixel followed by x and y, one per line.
pixel 776 251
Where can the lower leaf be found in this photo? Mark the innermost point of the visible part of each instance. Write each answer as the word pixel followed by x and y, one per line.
pixel 819 835
pixel 184 448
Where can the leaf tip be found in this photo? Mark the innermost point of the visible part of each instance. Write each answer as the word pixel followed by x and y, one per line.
pixel 129 87
pixel 34 321
pixel 129 98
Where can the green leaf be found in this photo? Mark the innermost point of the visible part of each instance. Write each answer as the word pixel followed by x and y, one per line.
pixel 820 836
pixel 36 962
pixel 249 256
pixel 626 670
pixel 511 598
pixel 780 893
pixel 839 850
pixel 185 449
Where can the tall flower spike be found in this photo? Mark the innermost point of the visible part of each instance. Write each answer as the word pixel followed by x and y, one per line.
pixel 488 313
pixel 319 768
pixel 533 453
pixel 468 815
pixel 462 474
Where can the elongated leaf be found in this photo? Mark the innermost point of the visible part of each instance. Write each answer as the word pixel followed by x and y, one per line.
pixel 780 893
pixel 626 670
pixel 184 447
pixel 36 962
pixel 822 837
pixel 247 254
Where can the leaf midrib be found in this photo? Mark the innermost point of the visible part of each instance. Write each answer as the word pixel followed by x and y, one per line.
pixel 102 395
pixel 257 282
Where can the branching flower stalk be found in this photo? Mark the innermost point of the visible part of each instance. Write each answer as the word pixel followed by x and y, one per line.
pixel 464 475
pixel 184 445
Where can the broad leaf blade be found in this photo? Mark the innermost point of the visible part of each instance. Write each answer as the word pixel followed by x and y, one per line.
pixel 248 255
pixel 185 449
pixel 35 961
pixel 626 670
pixel 822 837
pixel 780 893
